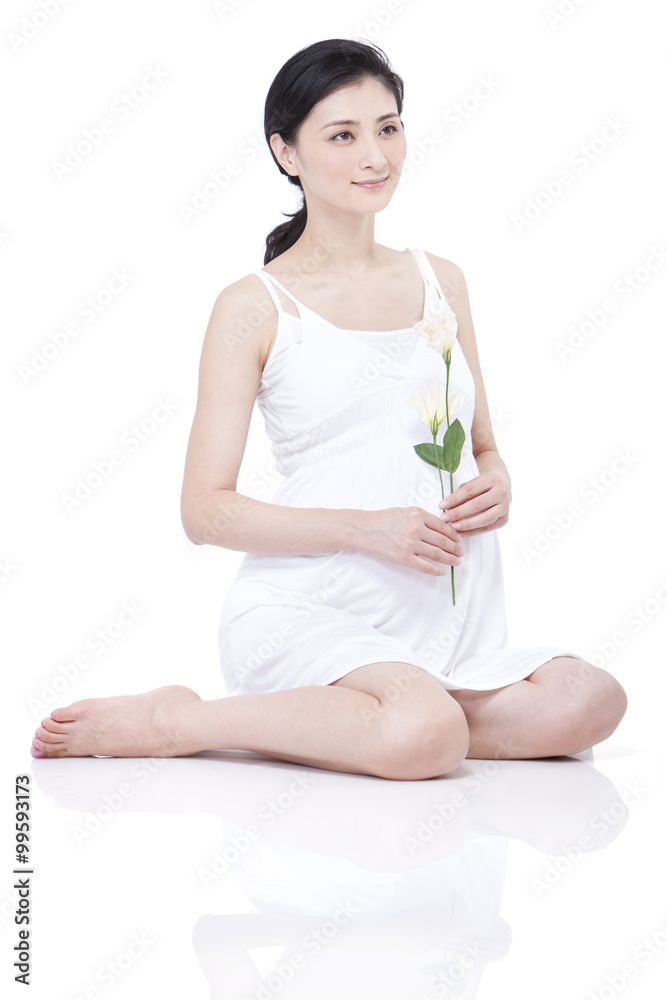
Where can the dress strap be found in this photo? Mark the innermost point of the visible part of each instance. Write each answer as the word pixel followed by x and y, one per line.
pixel 270 282
pixel 429 276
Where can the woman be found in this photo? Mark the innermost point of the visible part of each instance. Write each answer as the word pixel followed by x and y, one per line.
pixel 340 642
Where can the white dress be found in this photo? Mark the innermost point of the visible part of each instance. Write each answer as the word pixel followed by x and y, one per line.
pixel 334 406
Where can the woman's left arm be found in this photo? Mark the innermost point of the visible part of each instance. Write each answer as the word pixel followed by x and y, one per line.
pixel 480 504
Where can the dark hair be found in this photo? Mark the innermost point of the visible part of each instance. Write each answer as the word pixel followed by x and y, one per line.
pixel 309 76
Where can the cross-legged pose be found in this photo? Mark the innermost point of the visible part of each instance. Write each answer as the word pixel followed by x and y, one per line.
pixel 365 630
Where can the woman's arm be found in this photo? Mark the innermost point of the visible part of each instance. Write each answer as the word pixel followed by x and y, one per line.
pixel 212 511
pixel 481 504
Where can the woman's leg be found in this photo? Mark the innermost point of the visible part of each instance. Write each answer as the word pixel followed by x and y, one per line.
pixel 354 724
pixel 566 705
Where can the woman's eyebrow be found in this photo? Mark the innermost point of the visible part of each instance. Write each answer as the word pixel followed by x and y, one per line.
pixel 348 121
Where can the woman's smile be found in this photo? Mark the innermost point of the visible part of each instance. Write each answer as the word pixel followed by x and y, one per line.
pixel 372 185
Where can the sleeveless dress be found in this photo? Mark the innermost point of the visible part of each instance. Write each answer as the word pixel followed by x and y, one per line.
pixel 342 434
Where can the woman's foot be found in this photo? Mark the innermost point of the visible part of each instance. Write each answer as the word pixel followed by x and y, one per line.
pixel 155 724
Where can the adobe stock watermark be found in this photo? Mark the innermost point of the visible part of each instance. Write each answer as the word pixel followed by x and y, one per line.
pixel 219 179
pixel 580 159
pixel 430 649
pixel 223 7
pixel 624 288
pixel 7 569
pixel 571 854
pixel 131 440
pixel 380 18
pixel 33 24
pixel 268 814
pixel 261 479
pixel 98 642
pixel 635 620
pixel 87 309
pixel 292 961
pixel 116 968
pixel 591 491
pixel 562 12
pixel 454 118
pixel 444 812
pixel 450 981
pixel 110 803
pixel 335 581
pixel 652 946
pixel 121 108
pixel 391 351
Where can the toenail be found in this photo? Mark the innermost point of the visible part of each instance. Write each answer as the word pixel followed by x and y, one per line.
pixel 38 753
pixel 38 732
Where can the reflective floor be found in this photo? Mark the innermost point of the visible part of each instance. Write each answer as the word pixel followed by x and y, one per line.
pixel 234 875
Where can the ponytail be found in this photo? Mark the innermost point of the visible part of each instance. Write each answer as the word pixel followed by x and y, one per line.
pixel 286 234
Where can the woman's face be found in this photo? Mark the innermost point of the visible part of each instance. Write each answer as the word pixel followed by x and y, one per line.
pixel 353 136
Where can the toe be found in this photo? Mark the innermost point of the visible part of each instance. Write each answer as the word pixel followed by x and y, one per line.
pixel 46 737
pixel 63 714
pixel 51 752
pixel 57 728
pixel 45 745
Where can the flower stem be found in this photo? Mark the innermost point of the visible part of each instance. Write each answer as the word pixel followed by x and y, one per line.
pixel 435 456
pixel 451 478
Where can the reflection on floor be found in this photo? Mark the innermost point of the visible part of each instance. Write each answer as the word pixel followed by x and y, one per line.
pixel 320 884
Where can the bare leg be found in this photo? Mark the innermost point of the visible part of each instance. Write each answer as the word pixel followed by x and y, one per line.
pixel 566 705
pixel 420 735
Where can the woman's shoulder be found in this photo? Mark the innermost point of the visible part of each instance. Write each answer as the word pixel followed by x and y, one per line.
pixel 243 296
pixel 449 275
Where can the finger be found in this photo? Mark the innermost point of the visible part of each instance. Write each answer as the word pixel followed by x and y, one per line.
pixel 469 509
pixel 440 560
pixel 440 525
pixel 484 519
pixel 466 491
pixel 426 566
pixel 440 540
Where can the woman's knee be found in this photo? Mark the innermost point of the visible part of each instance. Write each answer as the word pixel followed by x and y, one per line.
pixel 598 702
pixel 425 741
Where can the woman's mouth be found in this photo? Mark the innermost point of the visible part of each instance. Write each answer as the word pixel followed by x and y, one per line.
pixel 372 185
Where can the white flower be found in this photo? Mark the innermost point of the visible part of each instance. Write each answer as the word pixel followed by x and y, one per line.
pixel 439 329
pixel 431 404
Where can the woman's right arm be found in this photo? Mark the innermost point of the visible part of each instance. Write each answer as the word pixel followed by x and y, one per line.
pixel 214 513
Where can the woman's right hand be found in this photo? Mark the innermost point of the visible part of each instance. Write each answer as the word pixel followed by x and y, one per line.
pixel 410 536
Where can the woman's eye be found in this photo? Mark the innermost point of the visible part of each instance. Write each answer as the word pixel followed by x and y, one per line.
pixel 346 133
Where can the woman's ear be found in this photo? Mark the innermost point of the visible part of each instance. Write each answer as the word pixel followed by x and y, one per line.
pixel 283 153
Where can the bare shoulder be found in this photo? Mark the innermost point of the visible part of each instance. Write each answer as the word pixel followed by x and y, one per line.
pixel 451 278
pixel 243 316
pixel 453 283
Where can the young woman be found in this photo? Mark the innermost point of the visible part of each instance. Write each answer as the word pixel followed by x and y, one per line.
pixel 340 642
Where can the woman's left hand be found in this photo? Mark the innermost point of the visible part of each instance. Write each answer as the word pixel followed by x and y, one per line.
pixel 481 504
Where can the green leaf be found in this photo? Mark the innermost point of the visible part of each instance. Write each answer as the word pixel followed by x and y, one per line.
pixel 452 445
pixel 425 451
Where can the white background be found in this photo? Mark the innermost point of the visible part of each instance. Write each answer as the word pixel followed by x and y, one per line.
pixel 560 422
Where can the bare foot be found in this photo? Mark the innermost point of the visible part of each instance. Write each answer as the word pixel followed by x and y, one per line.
pixel 153 724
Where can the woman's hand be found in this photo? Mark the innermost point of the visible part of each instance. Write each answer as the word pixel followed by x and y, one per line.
pixel 481 504
pixel 409 536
